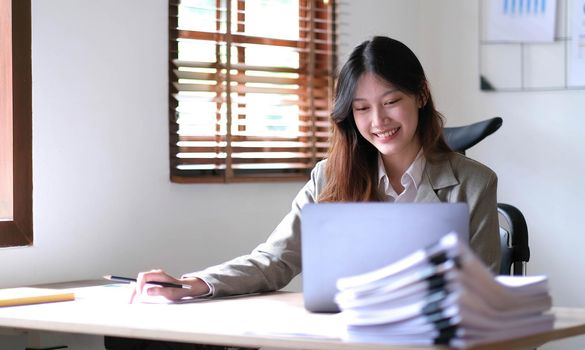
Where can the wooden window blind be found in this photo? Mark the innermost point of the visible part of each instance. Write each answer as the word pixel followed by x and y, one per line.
pixel 250 88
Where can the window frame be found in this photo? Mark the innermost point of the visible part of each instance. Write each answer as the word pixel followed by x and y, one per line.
pixel 316 141
pixel 19 230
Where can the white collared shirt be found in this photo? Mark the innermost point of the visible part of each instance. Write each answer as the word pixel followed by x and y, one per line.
pixel 410 180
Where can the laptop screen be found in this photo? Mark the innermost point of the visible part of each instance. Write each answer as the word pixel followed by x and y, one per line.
pixel 345 239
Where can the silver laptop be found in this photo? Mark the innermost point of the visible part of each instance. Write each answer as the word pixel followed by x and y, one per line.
pixel 345 239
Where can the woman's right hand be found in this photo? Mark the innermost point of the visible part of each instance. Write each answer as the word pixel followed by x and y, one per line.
pixel 198 286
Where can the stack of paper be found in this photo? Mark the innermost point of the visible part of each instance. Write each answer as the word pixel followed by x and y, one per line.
pixel 442 295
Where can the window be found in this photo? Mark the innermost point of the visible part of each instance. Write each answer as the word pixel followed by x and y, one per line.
pixel 15 124
pixel 250 88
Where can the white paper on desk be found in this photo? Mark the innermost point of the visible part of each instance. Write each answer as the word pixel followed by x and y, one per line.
pixel 465 341
pixel 524 285
pixel 412 268
pixel 469 329
pixel 473 307
pixel 503 293
pixel 444 317
pixel 377 315
pixel 391 294
pixel 107 293
pixel 120 293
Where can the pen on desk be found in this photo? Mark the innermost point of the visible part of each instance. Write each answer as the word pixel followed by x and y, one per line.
pixel 162 284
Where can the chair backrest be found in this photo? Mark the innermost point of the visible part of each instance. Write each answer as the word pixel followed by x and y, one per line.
pixel 513 228
pixel 513 240
pixel 461 138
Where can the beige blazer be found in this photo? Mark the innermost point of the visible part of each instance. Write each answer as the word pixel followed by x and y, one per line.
pixel 272 264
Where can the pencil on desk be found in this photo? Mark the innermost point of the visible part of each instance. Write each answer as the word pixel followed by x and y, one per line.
pixel 162 284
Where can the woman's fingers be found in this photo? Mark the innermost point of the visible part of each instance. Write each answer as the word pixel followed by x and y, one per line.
pixel 169 293
pixel 197 286
pixel 149 276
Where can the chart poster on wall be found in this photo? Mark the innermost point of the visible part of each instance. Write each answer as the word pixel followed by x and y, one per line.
pixel 576 57
pixel 520 20
pixel 548 56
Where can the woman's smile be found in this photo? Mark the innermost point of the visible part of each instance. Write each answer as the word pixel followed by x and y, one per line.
pixel 387 134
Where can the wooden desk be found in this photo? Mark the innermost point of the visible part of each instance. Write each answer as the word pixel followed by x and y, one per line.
pixel 250 321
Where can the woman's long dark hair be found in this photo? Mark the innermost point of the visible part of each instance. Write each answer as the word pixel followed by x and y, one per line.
pixel 352 165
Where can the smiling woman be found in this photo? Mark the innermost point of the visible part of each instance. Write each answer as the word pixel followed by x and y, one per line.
pixel 15 124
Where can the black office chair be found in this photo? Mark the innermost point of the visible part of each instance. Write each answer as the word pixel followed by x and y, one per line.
pixel 462 138
pixel 513 228
pixel 513 240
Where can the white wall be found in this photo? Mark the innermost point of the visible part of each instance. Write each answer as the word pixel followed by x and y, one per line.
pixel 102 199
pixel 360 20
pixel 539 152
